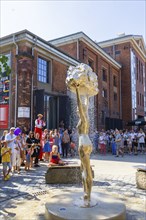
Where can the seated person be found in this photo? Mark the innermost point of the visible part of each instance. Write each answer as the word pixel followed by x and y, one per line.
pixel 55 157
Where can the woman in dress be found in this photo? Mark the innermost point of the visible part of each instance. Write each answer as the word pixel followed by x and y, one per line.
pixel 55 157
pixel 47 147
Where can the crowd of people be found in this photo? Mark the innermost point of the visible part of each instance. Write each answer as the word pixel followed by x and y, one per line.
pixel 120 142
pixel 30 147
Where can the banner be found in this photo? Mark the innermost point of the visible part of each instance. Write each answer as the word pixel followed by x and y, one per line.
pixel 4 115
pixel 4 90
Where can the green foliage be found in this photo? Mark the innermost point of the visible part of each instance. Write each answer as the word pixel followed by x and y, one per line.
pixel 5 70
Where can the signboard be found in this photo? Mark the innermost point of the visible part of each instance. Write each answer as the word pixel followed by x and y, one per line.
pixel 4 85
pixel 23 112
pixel 4 113
pixel 4 90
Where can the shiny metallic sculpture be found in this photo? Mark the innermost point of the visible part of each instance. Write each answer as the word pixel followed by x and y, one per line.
pixel 83 81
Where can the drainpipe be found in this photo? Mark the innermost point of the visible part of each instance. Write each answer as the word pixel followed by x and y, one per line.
pixel 114 51
pixel 16 84
pixel 121 97
pixel 77 49
pixel 31 116
pixel 32 78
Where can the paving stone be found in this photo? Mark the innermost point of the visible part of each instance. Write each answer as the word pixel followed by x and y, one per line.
pixel 31 186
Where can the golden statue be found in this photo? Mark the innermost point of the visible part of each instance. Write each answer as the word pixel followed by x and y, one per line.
pixel 83 81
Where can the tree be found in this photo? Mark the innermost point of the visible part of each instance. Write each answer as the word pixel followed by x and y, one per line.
pixel 4 67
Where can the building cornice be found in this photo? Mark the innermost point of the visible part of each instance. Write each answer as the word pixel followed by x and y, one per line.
pixel 127 39
pixel 81 36
pixel 38 42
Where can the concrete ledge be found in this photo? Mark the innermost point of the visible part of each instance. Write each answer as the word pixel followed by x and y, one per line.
pixel 64 174
pixel 141 178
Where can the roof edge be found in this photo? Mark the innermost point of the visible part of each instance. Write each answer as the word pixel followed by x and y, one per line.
pixel 25 31
pixel 86 37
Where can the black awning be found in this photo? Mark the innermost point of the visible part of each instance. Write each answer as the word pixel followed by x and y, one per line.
pixel 137 122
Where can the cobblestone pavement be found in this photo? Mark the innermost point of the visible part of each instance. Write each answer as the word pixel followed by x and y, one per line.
pixel 23 197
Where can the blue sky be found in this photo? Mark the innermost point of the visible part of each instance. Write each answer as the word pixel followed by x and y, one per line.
pixel 100 20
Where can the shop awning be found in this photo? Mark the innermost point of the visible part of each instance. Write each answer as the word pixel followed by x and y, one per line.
pixel 137 122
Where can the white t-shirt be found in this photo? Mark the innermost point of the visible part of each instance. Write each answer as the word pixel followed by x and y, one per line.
pixel 141 137
pixel 9 137
pixel 102 139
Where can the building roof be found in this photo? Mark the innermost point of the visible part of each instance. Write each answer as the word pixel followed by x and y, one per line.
pixel 136 40
pixel 82 36
pixel 37 41
pixel 117 38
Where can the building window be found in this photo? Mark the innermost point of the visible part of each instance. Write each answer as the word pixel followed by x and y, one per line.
pixel 117 52
pixel 137 67
pixel 104 75
pixel 43 70
pixel 102 117
pixel 104 93
pixel 115 96
pixel 138 98
pixel 142 100
pixel 84 53
pixel 141 71
pixel 91 64
pixel 115 81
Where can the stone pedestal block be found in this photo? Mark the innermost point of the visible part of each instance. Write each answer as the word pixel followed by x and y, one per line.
pixel 63 174
pixel 141 178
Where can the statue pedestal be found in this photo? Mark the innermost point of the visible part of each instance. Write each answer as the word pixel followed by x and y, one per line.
pixel 67 174
pixel 66 206
pixel 141 178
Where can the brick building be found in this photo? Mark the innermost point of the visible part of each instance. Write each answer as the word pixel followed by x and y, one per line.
pixel 36 83
pixel 108 101
pixel 130 52
pixel 37 80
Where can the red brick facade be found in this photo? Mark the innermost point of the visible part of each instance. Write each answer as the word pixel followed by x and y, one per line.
pixel 113 104
pixel 107 107
pixel 24 82
pixel 121 52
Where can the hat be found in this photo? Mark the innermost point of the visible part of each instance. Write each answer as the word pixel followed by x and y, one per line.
pixel 12 128
pixel 40 115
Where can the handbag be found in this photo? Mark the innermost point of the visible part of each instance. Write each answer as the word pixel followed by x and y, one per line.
pixel 72 145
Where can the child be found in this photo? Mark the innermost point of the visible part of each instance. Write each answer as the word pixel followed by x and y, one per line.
pixel 28 158
pixel 113 144
pixel 55 157
pixel 73 148
pixel 47 147
pixel 102 143
pixel 6 158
